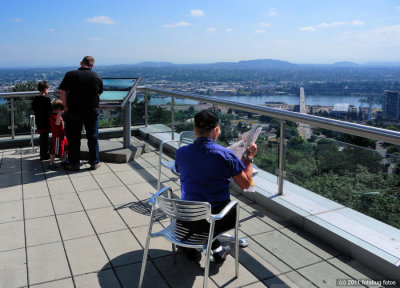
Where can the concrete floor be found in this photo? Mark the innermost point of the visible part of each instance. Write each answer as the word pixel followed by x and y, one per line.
pixel 87 229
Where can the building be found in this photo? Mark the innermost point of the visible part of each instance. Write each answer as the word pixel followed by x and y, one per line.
pixel 391 104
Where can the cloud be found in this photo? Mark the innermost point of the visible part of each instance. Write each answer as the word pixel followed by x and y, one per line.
pixel 52 30
pixel 272 12
pixel 228 30
pixel 177 24
pixel 330 25
pixel 101 20
pixel 357 23
pixel 197 13
pixel 259 31
pixel 94 39
pixel 211 29
pixel 263 24
pixel 14 19
pixel 307 28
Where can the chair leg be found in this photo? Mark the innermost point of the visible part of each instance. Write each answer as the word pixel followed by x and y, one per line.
pixel 144 261
pixel 237 243
pixel 242 242
pixel 174 253
pixel 208 253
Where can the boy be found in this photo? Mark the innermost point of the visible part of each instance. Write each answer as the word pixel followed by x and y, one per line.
pixel 58 140
pixel 41 107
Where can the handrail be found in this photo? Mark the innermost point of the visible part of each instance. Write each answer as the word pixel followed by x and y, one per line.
pixel 22 94
pixel 327 123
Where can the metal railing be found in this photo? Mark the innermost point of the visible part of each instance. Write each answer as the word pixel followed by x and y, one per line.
pixel 388 136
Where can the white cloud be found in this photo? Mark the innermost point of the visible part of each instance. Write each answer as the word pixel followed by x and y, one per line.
pixel 14 19
pixel 94 39
pixel 357 23
pixel 52 30
pixel 259 31
pixel 101 20
pixel 332 24
pixel 307 28
pixel 197 13
pixel 272 12
pixel 228 30
pixel 263 24
pixel 177 24
pixel 211 29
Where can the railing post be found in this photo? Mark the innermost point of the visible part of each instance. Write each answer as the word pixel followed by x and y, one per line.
pixel 12 127
pixel 173 118
pixel 146 113
pixel 281 170
pixel 127 125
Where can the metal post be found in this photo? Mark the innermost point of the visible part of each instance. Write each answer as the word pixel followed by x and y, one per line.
pixel 281 171
pixel 173 117
pixel 12 127
pixel 127 125
pixel 146 113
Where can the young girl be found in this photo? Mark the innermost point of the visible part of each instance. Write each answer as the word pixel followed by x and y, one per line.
pixel 59 144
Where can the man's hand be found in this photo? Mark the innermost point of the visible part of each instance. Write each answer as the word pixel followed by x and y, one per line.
pixel 251 150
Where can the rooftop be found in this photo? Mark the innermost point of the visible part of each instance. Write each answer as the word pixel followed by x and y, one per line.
pixel 87 229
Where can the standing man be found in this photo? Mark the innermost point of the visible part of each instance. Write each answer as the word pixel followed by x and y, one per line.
pixel 205 169
pixel 80 92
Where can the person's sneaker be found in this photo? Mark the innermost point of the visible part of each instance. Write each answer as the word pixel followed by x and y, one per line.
pixel 64 163
pixel 220 257
pixel 52 166
pixel 95 166
pixel 72 167
pixel 192 254
pixel 44 157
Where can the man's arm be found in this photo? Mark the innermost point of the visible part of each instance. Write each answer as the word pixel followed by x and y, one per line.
pixel 63 97
pixel 245 179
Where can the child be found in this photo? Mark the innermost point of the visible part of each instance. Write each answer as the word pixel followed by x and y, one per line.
pixel 41 107
pixel 59 144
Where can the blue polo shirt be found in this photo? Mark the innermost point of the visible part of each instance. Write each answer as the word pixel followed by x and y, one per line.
pixel 205 168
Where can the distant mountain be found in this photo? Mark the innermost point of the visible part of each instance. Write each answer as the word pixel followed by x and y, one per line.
pixel 346 64
pixel 383 64
pixel 155 64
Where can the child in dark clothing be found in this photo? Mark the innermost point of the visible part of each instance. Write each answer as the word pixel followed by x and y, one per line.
pixel 59 144
pixel 41 107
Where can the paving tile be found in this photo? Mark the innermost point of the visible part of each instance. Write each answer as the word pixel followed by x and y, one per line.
pixel 84 183
pixel 289 280
pixel 130 177
pixel 12 235
pixel 10 193
pixel 63 283
pixel 119 167
pixel 47 263
pixel 121 247
pixel 66 203
pixel 255 285
pixel 267 216
pixel 38 207
pixel 292 253
pixel 11 211
pixel 35 190
pixel 102 279
pixel 251 225
pixel 323 274
pixel 143 190
pixel 60 186
pixel 108 180
pixel 184 271
pixel 54 175
pixel 33 176
pixel 13 269
pixel 41 231
pixel 103 169
pixel 106 220
pixel 134 214
pixel 310 242
pixel 94 199
pixel 86 255
pixel 119 195
pixel 83 172
pixel 10 179
pixel 74 225
pixel 129 276
pixel 158 246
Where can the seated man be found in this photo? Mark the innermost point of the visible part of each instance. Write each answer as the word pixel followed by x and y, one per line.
pixel 205 169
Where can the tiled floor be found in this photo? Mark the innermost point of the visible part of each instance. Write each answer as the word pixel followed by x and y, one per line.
pixel 87 229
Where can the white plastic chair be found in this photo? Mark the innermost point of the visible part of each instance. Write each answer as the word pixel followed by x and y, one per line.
pixel 185 137
pixel 178 235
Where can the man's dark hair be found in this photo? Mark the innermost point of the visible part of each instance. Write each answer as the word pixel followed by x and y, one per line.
pixel 42 85
pixel 205 121
pixel 57 105
pixel 88 61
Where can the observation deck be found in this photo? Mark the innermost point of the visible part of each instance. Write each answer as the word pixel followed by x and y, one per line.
pixel 87 228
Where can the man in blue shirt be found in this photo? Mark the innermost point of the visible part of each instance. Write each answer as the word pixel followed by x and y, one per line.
pixel 205 169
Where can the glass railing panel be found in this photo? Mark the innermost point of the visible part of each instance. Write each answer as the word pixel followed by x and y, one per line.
pixel 365 178
pixel 4 117
pixel 138 110
pixel 22 113
pixel 159 110
pixel 110 118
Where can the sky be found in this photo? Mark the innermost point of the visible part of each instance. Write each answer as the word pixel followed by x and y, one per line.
pixel 44 33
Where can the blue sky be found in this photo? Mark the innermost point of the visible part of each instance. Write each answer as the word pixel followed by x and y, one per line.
pixel 53 33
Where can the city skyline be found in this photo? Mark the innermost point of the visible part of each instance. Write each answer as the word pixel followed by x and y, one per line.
pixel 48 33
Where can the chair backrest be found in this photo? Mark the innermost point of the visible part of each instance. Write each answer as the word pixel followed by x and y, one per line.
pixel 186 137
pixel 183 210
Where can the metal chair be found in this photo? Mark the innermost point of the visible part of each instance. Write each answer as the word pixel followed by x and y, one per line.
pixel 33 130
pixel 185 137
pixel 178 235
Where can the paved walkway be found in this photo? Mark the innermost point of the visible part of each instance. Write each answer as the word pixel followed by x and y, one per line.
pixel 87 229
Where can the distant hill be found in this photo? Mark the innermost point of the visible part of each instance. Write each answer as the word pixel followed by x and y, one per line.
pixel 346 64
pixel 155 64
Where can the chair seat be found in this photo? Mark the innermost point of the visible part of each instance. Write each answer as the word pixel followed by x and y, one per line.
pixel 182 236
